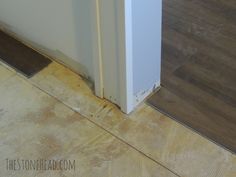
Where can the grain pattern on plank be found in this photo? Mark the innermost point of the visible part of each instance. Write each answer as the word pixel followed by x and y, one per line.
pixel 199 67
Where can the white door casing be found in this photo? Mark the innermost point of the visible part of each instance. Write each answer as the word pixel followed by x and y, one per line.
pixel 113 53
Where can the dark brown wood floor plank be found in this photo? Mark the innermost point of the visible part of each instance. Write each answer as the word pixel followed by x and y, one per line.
pixel 190 47
pixel 173 10
pixel 201 99
pixel 19 56
pixel 169 103
pixel 199 67
pixel 210 37
pixel 221 83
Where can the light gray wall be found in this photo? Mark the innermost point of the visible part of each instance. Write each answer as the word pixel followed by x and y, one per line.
pixel 61 28
pixel 146 43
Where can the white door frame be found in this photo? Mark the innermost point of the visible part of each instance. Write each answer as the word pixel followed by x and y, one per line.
pixel 97 51
pixel 117 86
pixel 113 53
pixel 126 61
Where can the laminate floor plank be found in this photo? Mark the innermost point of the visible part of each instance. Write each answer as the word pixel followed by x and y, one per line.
pixel 195 15
pixel 21 57
pixel 195 118
pixel 199 68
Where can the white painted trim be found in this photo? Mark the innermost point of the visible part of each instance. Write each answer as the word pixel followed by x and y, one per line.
pixel 113 54
pixel 97 50
pixel 126 62
pixel 110 35
pixel 114 48
pixel 141 96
